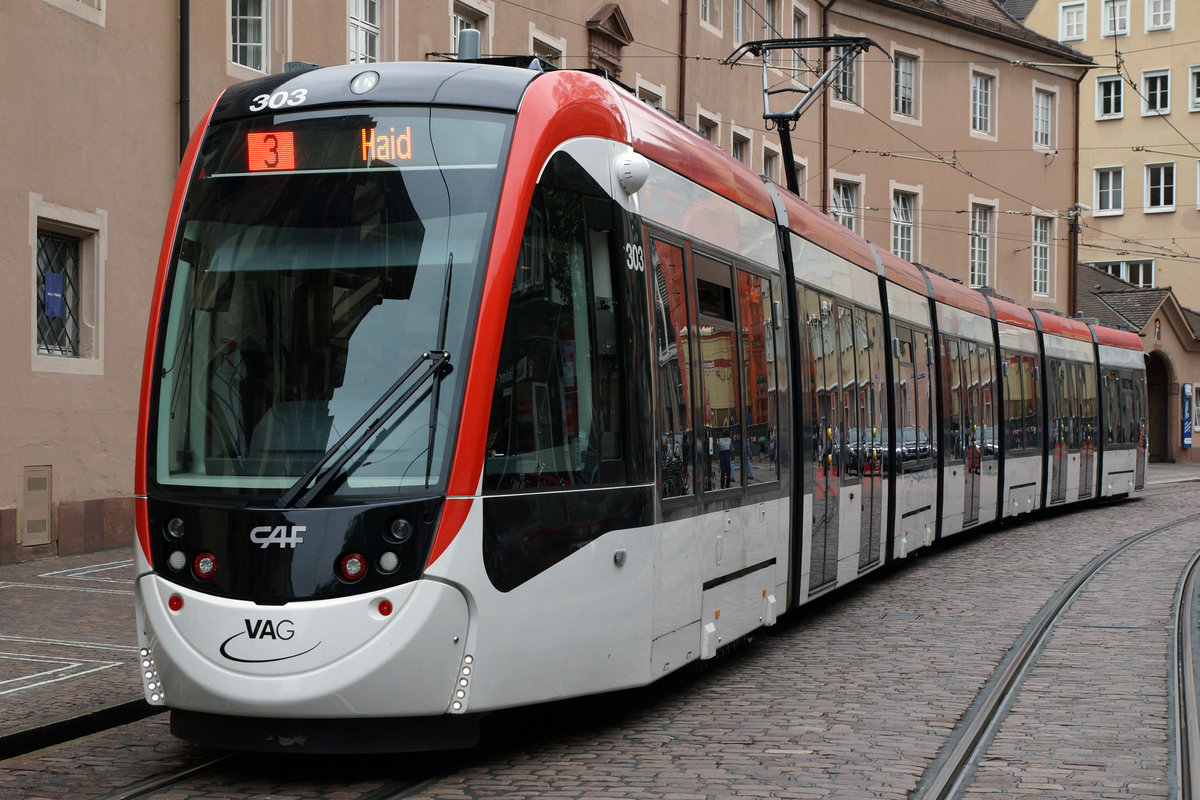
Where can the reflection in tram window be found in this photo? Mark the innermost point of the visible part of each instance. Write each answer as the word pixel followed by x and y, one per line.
pixel 556 411
pixel 756 458
pixel 672 342
pixel 718 368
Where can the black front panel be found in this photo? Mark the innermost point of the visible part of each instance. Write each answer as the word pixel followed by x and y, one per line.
pixel 526 534
pixel 278 555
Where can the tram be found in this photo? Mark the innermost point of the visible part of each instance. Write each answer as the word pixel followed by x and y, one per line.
pixel 470 385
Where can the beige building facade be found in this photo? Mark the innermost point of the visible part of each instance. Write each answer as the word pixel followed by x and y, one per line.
pixel 952 140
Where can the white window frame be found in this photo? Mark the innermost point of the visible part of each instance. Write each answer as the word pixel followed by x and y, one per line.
pixel 1165 11
pixel 541 42
pixel 917 58
pixel 1147 76
pixel 912 225
pixel 360 30
pixel 988 247
pixel 654 90
pixel 738 29
pixel 798 66
pixel 992 81
pixel 235 68
pixel 1100 209
pixel 769 151
pixel 1042 251
pixel 477 12
pixel 710 17
pixel 1161 208
pixel 1104 80
pixel 746 138
pixel 90 10
pixel 1120 270
pixel 1051 127
pixel 770 27
pixel 713 119
pixel 844 85
pixel 91 229
pixel 857 183
pixel 1065 32
pixel 1111 26
pixel 801 176
pixel 1194 88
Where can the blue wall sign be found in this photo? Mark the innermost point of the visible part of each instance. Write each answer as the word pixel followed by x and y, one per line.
pixel 1186 407
pixel 54 294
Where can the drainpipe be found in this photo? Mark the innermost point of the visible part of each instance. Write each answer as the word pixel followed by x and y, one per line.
pixel 683 18
pixel 185 59
pixel 1073 216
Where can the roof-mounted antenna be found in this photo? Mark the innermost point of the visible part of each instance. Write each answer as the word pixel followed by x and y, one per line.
pixel 468 44
pixel 848 46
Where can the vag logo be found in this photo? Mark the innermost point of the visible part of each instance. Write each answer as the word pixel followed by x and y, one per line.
pixel 283 535
pixel 265 629
pixel 262 642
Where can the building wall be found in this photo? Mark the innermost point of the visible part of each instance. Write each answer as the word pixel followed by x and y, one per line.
pixel 89 92
pixel 1169 240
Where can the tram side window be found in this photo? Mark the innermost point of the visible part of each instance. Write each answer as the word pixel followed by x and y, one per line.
pixel 1021 413
pixel 952 423
pixel 672 342
pixel 1086 386
pixel 906 403
pixel 557 407
pixel 720 390
pixel 756 317
pixel 988 436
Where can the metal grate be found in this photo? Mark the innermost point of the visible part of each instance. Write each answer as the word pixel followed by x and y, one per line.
pixel 58 295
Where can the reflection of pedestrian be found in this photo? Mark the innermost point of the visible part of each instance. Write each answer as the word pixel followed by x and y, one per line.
pixel 725 451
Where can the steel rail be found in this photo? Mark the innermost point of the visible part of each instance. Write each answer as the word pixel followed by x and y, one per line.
pixel 1183 688
pixel 947 774
pixel 65 729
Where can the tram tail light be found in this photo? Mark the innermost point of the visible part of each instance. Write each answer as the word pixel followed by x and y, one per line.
pixel 205 565
pixel 352 567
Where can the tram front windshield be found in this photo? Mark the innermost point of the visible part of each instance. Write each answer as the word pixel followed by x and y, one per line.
pixel 310 272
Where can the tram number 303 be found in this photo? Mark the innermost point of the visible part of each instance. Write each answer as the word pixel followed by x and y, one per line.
pixel 279 99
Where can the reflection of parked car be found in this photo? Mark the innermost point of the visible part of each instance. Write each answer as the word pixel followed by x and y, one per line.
pixel 914 443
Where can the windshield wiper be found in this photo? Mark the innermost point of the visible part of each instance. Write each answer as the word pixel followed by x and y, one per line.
pixel 437 386
pixel 327 468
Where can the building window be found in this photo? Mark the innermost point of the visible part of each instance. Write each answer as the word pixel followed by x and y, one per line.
pixel 904 85
pixel 737 21
pixel 68 255
pixel 1194 90
pixel 981 102
pixel 710 12
pixel 364 31
pixel 467 18
pixel 741 148
pixel 1072 22
pixel 903 207
pixel 801 178
pixel 1137 273
pixel 980 249
pixel 1043 119
pixel 845 203
pixel 1160 187
pixel 650 97
pixel 1160 15
pixel 547 52
pixel 1109 194
pixel 248 29
pixel 57 294
pixel 1156 92
pixel 844 84
pixel 799 30
pixel 1109 94
pixel 707 128
pixel 771 165
pixel 1114 20
pixel 1041 255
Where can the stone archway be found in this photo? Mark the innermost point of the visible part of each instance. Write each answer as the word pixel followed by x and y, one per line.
pixel 1158 383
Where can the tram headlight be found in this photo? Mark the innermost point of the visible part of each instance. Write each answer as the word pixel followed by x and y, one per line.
pixel 174 528
pixel 177 560
pixel 400 531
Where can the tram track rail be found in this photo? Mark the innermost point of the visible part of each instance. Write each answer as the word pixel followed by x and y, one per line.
pixel 949 774
pixel 1184 709
pixel 75 726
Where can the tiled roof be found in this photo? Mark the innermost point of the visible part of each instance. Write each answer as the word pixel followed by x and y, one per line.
pixel 1019 9
pixel 1114 302
pixel 988 16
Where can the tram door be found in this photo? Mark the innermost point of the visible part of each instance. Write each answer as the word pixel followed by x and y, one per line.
pixel 1138 386
pixel 825 410
pixel 1059 414
pixel 1085 384
pixel 969 361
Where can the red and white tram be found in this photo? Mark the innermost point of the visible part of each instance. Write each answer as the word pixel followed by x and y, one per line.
pixel 470 386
